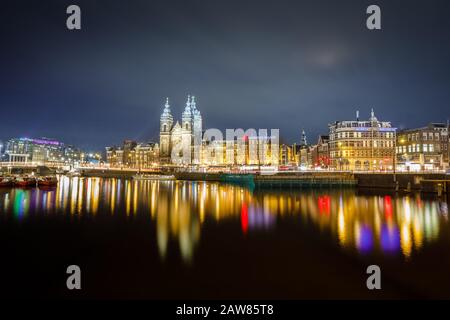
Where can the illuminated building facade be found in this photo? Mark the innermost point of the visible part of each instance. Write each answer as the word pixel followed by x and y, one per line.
pixel 41 151
pixel 425 148
pixel 181 137
pixel 321 156
pixel 316 156
pixel 251 151
pixel 306 156
pixel 289 155
pixel 146 155
pixel 177 138
pixel 133 155
pixel 362 145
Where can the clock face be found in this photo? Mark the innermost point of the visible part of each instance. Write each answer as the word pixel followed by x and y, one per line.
pixel 195 150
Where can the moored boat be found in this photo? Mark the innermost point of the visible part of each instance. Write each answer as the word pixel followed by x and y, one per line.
pixel 48 181
pixel 237 178
pixel 6 182
pixel 153 177
pixel 25 181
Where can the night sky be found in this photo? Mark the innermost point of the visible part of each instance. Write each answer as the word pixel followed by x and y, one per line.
pixel 250 64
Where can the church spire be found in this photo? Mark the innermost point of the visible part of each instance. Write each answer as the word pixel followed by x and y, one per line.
pixel 166 119
pixel 372 115
pixel 193 105
pixel 187 110
pixel 186 117
pixel 195 111
pixel 304 142
pixel 166 112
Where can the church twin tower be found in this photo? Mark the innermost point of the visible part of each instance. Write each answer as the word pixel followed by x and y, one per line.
pixel 181 137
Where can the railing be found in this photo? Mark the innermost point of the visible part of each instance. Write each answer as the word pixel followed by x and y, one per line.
pixel 22 164
pixel 158 168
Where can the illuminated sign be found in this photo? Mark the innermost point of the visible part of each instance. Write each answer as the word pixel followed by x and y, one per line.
pixel 376 129
pixel 43 141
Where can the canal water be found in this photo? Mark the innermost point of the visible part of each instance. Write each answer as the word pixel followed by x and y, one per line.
pixel 203 240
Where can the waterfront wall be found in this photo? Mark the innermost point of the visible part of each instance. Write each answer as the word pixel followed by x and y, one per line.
pixel 425 182
pixel 279 180
pixel 405 181
pixel 107 173
pixel 197 176
pixel 38 170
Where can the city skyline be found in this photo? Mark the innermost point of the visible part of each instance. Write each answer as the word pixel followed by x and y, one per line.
pixel 225 158
pixel 105 83
pixel 296 140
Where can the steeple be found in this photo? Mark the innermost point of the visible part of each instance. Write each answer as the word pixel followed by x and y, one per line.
pixel 187 110
pixel 303 142
pixel 166 112
pixel 372 116
pixel 196 131
pixel 186 117
pixel 193 105
pixel 195 111
pixel 166 119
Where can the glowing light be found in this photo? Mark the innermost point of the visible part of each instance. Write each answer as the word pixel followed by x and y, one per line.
pixel 244 218
pixel 341 224
pixel 390 239
pixel 388 207
pixel 113 195
pixel 20 204
pixel 324 203
pixel 406 242
pixel 364 238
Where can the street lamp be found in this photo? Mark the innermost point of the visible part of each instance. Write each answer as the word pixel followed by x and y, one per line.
pixel 395 156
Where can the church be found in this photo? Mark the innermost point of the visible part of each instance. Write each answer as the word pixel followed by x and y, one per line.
pixel 180 143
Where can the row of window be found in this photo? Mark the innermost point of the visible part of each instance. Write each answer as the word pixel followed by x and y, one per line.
pixel 361 124
pixel 364 144
pixel 359 154
pixel 416 148
pixel 367 134
pixel 426 136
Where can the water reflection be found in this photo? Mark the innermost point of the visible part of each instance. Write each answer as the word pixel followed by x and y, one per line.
pixel 179 210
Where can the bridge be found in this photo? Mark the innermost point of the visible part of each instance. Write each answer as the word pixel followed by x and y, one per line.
pixel 26 164
pixel 83 168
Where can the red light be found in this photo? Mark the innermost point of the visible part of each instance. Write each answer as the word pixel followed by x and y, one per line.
pixel 388 206
pixel 244 218
pixel 324 203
